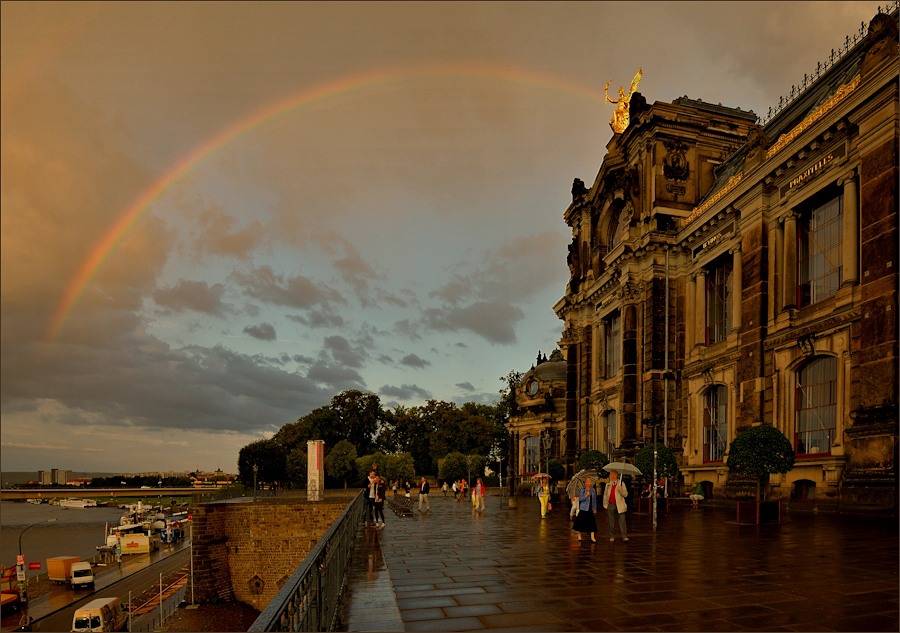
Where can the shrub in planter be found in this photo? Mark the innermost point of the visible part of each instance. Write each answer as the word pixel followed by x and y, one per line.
pixel 760 451
pixel 593 459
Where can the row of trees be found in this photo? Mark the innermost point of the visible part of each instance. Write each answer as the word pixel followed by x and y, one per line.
pixel 358 431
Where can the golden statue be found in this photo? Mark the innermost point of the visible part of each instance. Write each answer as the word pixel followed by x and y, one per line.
pixel 619 121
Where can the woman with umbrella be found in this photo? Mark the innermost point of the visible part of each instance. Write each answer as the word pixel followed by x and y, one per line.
pixel 543 480
pixel 587 505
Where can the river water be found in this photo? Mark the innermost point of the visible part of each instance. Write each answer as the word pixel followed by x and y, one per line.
pixel 76 532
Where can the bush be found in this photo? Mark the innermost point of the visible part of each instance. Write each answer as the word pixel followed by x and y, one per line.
pixel 666 465
pixel 760 451
pixel 593 459
pixel 557 470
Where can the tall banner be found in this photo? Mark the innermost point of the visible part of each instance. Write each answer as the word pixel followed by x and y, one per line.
pixel 315 479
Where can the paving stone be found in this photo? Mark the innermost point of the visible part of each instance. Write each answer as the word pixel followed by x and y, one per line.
pixel 699 571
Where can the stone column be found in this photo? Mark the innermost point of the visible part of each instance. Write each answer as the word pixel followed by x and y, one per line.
pixel 601 350
pixel 629 372
pixel 595 352
pixel 737 288
pixel 850 264
pixel 700 303
pixel 789 261
pixel 315 478
pixel 690 315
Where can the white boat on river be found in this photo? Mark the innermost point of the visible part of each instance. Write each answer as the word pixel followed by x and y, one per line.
pixel 77 503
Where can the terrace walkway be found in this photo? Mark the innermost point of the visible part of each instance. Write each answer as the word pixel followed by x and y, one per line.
pixel 454 570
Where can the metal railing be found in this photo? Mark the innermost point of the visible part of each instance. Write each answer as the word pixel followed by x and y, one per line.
pixel 153 621
pixel 309 600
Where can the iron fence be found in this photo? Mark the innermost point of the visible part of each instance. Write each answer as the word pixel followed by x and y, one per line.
pixel 309 600
pixel 153 621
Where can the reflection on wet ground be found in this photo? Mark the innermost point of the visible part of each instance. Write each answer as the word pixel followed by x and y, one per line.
pixel 452 569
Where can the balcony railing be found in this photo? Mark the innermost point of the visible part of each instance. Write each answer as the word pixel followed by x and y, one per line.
pixel 309 600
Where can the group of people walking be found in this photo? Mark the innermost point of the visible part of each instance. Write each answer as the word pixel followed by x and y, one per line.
pixel 585 506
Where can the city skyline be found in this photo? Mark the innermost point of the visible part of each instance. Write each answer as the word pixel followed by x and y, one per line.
pixel 217 216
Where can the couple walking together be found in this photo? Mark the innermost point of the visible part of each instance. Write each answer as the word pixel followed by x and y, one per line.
pixel 614 494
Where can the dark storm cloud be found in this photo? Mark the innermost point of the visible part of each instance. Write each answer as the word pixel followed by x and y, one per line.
pixel 297 292
pixel 384 359
pixel 495 321
pixel 411 360
pixel 303 360
pixel 191 295
pixel 341 351
pixel 335 376
pixel 405 392
pixel 318 318
pixel 263 332
pixel 467 386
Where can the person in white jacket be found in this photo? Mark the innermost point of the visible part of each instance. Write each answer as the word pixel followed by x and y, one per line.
pixel 616 493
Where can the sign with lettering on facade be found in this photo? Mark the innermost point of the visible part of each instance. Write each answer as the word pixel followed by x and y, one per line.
pixel 722 234
pixel 812 169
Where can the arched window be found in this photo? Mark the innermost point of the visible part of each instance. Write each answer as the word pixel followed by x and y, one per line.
pixel 715 423
pixel 532 454
pixel 816 407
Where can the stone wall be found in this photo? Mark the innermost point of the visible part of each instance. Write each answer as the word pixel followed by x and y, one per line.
pixel 247 551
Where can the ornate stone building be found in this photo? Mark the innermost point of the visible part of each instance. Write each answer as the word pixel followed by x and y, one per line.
pixel 726 273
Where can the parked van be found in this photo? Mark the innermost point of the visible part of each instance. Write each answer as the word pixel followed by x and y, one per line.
pixel 102 614
pixel 82 575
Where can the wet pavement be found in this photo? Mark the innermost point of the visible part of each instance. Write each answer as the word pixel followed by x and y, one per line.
pixel 452 569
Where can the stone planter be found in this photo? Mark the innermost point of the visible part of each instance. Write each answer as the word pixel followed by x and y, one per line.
pixel 759 512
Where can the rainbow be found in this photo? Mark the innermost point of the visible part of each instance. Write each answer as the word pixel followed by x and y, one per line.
pixel 129 218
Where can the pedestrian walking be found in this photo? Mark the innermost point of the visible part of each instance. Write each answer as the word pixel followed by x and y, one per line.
pixel 697 495
pixel 444 489
pixel 380 493
pixel 614 501
pixel 423 494
pixel 587 506
pixel 371 493
pixel 478 491
pixel 455 491
pixel 394 487
pixel 462 490
pixel 407 486
pixel 544 497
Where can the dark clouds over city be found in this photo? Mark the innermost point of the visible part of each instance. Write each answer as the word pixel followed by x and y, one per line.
pixel 395 227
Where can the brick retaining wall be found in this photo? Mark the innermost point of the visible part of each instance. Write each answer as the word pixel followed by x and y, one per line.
pixel 247 551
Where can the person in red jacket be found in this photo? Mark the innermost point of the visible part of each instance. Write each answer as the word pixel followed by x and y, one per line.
pixel 478 491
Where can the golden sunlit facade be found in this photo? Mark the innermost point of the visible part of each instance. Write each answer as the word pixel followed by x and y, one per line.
pixel 727 274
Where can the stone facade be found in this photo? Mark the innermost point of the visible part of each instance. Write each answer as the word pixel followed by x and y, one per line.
pixel 247 551
pixel 726 274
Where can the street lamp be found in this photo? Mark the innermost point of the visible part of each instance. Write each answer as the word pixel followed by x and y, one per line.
pixel 255 471
pixel 547 440
pixel 20 561
pixel 654 422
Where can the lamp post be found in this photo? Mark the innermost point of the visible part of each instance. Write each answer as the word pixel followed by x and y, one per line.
pixel 547 440
pixel 255 471
pixel 654 422
pixel 20 561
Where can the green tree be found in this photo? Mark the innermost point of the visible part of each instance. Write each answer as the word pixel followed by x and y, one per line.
pixel 593 459
pixel 296 469
pixel 557 470
pixel 453 467
pixel 400 466
pixel 341 461
pixel 364 464
pixel 406 430
pixel 269 456
pixel 666 465
pixel 360 417
pixel 760 451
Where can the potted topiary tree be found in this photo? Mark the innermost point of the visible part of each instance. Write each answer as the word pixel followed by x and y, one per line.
pixel 593 459
pixel 760 451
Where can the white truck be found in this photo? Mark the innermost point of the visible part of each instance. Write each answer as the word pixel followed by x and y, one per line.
pixel 82 575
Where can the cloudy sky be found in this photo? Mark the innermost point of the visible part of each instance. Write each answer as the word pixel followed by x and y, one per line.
pixel 217 216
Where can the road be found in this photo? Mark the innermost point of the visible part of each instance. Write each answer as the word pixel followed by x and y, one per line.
pixel 137 583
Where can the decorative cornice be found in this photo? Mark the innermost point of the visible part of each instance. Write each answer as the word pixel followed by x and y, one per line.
pixel 819 112
pixel 813 328
pixel 699 367
pixel 731 184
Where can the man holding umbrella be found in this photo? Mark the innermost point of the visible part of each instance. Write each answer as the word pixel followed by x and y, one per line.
pixel 614 495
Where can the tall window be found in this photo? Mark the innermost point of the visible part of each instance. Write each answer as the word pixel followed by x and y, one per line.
pixel 612 346
pixel 715 423
pixel 614 231
pixel 610 432
pixel 820 235
pixel 532 454
pixel 816 402
pixel 718 301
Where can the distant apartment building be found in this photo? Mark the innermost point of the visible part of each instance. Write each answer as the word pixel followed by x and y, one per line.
pixel 45 477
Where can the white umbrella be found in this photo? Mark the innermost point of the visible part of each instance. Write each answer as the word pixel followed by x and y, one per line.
pixel 623 468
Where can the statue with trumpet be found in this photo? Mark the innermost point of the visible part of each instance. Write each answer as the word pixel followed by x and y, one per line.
pixel 619 121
